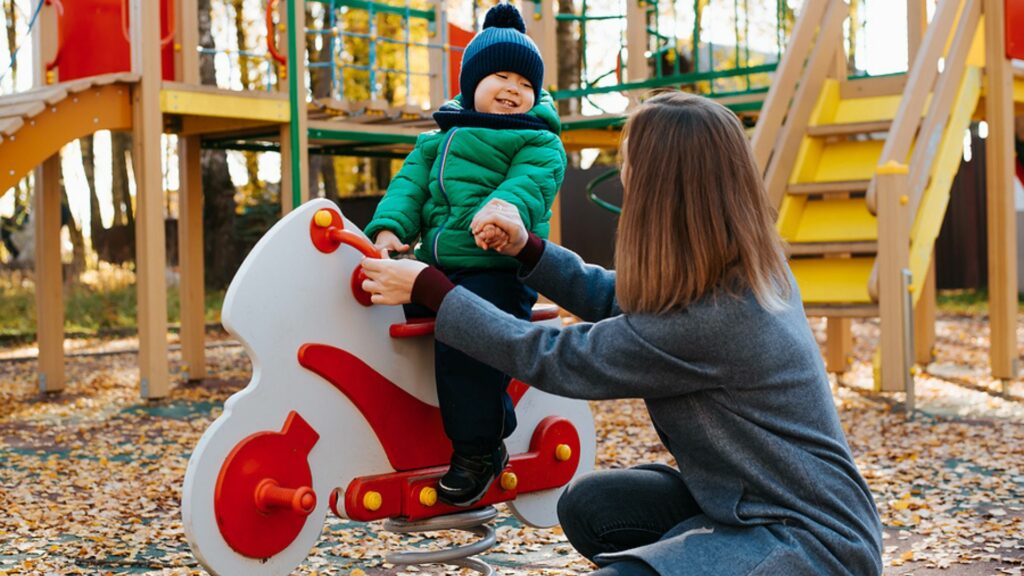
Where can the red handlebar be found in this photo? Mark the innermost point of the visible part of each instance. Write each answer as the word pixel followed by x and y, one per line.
pixel 271 34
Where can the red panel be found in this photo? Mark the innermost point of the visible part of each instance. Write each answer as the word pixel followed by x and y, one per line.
pixel 92 40
pixel 1015 29
pixel 395 415
pixel 536 470
pixel 263 492
pixel 457 38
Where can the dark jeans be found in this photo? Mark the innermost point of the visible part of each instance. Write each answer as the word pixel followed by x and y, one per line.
pixel 475 408
pixel 616 510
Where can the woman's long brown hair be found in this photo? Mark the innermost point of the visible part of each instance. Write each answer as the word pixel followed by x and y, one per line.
pixel 695 217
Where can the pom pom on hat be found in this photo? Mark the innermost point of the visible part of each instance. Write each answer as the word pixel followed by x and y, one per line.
pixel 504 16
pixel 502 45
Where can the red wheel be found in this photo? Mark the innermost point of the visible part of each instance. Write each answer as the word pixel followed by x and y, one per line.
pixel 264 490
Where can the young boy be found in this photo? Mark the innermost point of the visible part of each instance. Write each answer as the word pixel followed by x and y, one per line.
pixel 498 139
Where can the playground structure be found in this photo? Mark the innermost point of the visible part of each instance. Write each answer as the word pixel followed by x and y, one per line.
pixel 339 388
pixel 820 136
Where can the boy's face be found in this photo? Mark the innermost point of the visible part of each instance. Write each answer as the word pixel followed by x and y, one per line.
pixel 503 93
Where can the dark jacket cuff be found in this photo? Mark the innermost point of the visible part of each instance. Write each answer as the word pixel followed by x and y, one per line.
pixel 531 252
pixel 430 288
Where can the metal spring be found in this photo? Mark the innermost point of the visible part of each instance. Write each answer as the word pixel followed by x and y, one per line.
pixel 474 521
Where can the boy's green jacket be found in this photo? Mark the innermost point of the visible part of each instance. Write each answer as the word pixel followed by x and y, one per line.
pixel 452 173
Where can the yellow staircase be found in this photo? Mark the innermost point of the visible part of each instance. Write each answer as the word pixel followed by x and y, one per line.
pixel 824 216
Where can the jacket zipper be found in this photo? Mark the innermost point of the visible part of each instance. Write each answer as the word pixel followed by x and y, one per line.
pixel 444 193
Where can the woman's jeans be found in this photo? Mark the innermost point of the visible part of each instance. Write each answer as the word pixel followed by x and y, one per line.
pixel 616 510
pixel 475 408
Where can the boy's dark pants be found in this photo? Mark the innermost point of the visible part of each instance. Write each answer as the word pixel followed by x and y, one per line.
pixel 475 408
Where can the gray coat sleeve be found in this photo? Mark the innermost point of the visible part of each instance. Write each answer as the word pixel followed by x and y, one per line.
pixel 609 359
pixel 585 290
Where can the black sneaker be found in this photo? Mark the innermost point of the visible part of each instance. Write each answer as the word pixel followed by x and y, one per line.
pixel 469 477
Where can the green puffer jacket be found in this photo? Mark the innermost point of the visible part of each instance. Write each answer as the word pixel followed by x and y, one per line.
pixel 454 171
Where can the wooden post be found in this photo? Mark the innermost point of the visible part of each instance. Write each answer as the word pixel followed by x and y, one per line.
pixel 186 58
pixel 1002 225
pixel 190 257
pixel 917 23
pixel 438 57
pixel 541 26
pixel 46 218
pixel 295 135
pixel 893 258
pixel 636 41
pixel 49 278
pixel 838 344
pixel 924 319
pixel 150 250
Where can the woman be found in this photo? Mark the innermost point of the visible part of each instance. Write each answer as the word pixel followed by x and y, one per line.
pixel 703 320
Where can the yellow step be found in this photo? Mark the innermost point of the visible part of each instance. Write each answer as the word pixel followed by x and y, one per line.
pixel 833 280
pixel 845 161
pixel 836 220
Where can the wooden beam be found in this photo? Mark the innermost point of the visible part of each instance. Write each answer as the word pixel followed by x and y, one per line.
pixel 438 57
pixel 636 42
pixel 541 26
pixel 49 279
pixel 783 86
pixel 893 258
pixel 150 250
pixel 1002 229
pixel 190 258
pixel 186 57
pixel 780 166
pixel 924 319
pixel 917 23
pixel 838 344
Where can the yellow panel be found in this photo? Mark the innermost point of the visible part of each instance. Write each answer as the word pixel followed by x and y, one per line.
pixel 932 210
pixel 588 138
pixel 789 215
pixel 807 159
pixel 833 280
pixel 1018 90
pixel 976 57
pixel 838 220
pixel 848 160
pixel 223 105
pixel 825 110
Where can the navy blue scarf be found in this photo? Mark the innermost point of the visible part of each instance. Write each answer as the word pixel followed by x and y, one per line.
pixel 450 117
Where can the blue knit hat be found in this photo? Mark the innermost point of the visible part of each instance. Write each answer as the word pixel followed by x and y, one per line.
pixel 502 45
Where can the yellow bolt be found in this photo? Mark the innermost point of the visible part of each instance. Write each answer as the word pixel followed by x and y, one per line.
pixel 563 452
pixel 372 501
pixel 509 481
pixel 177 47
pixel 428 496
pixel 536 15
pixel 904 200
pixel 323 218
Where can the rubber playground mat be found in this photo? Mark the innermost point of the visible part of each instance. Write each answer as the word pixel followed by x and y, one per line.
pixel 90 479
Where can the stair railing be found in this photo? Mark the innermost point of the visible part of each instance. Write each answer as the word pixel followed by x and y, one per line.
pixel 931 127
pixel 796 87
pixel 920 83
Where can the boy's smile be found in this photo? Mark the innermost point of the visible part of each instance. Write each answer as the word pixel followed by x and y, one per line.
pixel 504 93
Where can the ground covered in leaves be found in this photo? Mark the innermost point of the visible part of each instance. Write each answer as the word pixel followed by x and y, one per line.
pixel 90 480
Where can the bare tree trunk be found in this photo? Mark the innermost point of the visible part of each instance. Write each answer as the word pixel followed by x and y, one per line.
pixel 220 251
pixel 87 145
pixel 10 16
pixel 568 57
pixel 120 149
pixel 75 232
pixel 321 168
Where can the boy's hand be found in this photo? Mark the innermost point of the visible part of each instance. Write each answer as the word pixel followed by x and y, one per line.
pixel 387 242
pixel 490 237
pixel 504 217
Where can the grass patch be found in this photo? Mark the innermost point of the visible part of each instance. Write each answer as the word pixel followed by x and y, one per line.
pixel 968 301
pixel 100 303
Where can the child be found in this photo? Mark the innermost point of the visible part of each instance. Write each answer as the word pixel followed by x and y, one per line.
pixel 498 139
pixel 702 319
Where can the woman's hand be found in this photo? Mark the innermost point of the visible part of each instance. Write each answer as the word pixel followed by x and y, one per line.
pixel 387 242
pixel 505 217
pixel 391 281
